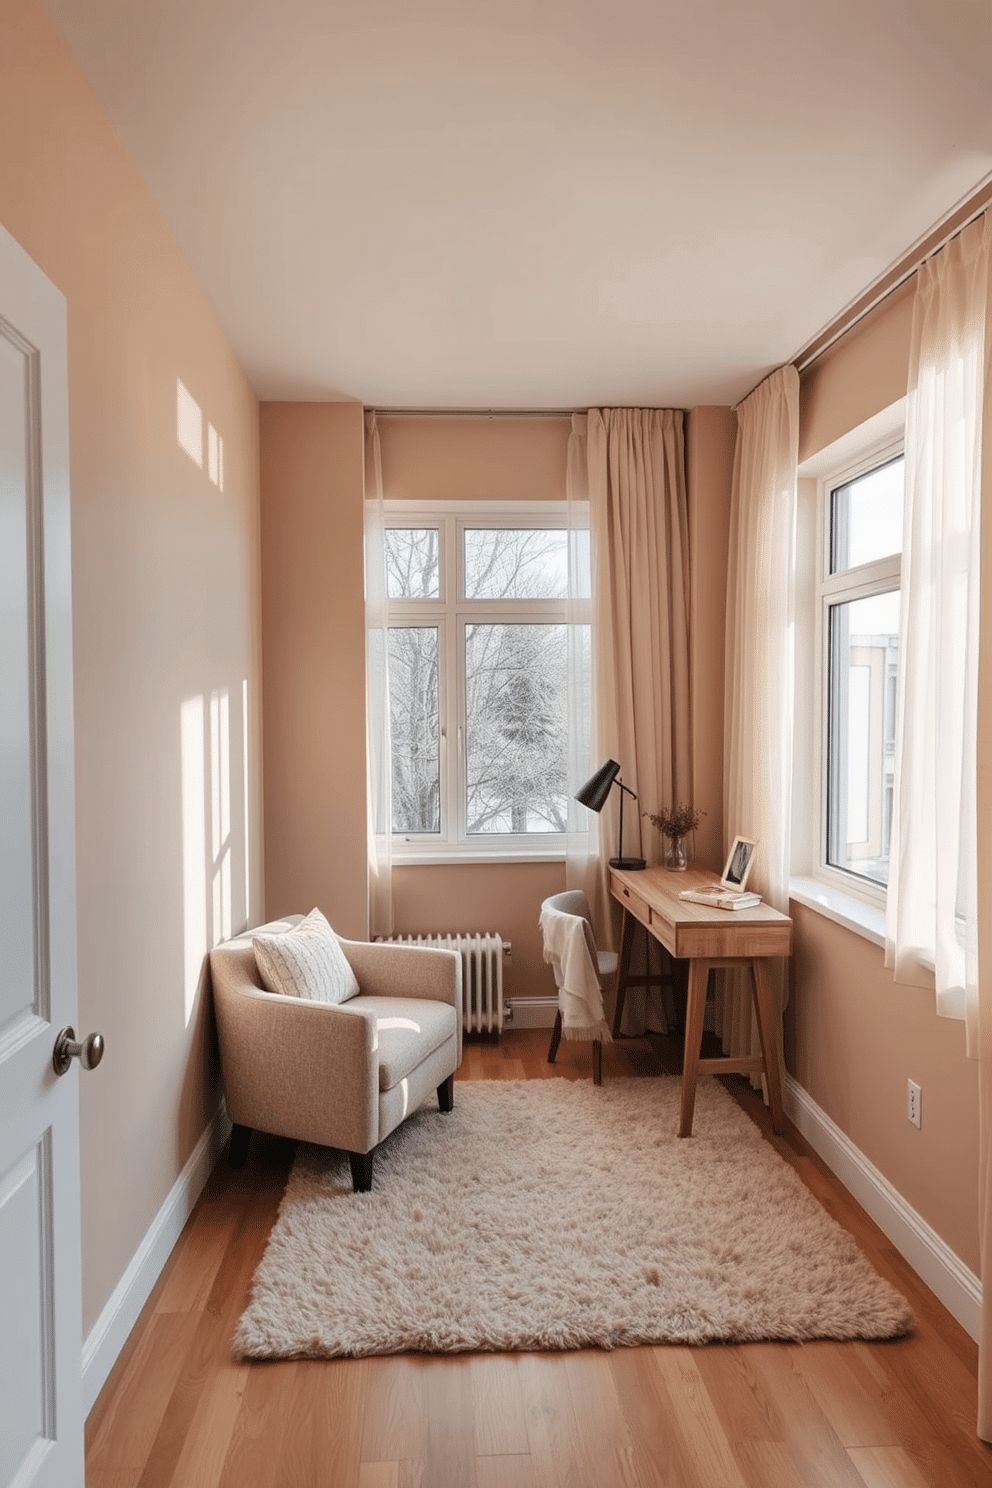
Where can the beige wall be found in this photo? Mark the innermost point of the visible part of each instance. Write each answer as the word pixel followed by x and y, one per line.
pixel 862 374
pixel 165 620
pixel 473 459
pixel 853 1037
pixel 711 437
pixel 313 617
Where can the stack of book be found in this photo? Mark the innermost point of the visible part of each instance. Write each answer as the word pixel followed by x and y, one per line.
pixel 718 897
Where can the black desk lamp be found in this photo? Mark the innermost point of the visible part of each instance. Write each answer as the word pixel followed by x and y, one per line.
pixel 594 793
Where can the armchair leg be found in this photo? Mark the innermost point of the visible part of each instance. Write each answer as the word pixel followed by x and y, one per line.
pixel 446 1094
pixel 597 1061
pixel 555 1038
pixel 361 1170
pixel 237 1153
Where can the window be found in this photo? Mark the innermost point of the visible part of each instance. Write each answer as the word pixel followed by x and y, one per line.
pixel 860 623
pixel 847 665
pixel 481 636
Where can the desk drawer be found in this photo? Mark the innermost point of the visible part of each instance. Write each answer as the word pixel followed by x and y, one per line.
pixel 632 902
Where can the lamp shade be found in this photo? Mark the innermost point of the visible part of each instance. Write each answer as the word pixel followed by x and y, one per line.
pixel 596 789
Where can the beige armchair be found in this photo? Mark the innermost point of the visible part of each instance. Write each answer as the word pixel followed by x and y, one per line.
pixel 341 1074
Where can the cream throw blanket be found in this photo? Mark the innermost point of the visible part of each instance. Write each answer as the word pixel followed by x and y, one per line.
pixel 580 996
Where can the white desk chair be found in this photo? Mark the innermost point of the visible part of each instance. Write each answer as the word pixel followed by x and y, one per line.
pixel 574 904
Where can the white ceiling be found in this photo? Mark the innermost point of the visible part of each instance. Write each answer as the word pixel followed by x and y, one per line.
pixel 539 203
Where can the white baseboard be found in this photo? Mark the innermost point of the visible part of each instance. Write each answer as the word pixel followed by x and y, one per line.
pixel 533 1012
pixel 947 1276
pixel 109 1333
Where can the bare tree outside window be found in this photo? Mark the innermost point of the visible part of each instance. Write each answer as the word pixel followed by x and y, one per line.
pixel 512 677
pixel 415 728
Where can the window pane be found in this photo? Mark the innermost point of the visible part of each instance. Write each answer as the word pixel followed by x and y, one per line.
pixel 412 563
pixel 516 563
pixel 866 517
pixel 516 728
pixel 864 661
pixel 414 728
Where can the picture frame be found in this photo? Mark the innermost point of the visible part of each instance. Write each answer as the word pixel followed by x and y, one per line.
pixel 739 863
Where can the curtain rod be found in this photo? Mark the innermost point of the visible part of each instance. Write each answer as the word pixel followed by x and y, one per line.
pixel 476 413
pixel 896 275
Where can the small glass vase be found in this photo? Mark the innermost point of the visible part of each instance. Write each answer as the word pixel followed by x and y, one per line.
pixel 675 857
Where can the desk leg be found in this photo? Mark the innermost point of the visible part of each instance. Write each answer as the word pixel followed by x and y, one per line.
pixel 623 969
pixel 696 1007
pixel 768 1033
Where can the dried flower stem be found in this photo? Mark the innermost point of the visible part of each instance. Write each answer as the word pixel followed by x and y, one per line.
pixel 675 822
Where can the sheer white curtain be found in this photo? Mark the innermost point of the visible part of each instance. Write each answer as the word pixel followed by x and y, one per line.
pixel 638 516
pixel 984 812
pixel 932 908
pixel 758 698
pixel 941 854
pixel 378 760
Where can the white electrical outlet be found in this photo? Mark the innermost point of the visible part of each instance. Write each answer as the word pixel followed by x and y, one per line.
pixel 914 1102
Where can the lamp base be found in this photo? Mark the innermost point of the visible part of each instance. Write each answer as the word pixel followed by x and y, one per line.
pixel 630 864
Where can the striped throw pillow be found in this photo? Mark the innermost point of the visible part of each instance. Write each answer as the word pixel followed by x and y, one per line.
pixel 306 961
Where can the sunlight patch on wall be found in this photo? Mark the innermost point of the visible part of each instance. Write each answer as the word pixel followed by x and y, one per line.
pixel 208 841
pixel 220 801
pixel 215 457
pixel 193 790
pixel 244 757
pixel 189 424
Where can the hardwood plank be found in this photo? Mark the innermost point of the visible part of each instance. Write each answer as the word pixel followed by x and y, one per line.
pixel 889 1467
pixel 497 1405
pixel 507 1472
pixel 599 1419
pixel 627 1471
pixel 211 1428
pixel 856 1413
pixel 658 1457
pixel 134 1415
pixel 696 1422
pixel 746 1409
pixel 769 1464
pixel 551 1427
pixel 810 1440
pixel 255 1452
pixel 323 1437
pixel 449 1451
pixel 201 1255
pixel 395 1410
pixel 379 1475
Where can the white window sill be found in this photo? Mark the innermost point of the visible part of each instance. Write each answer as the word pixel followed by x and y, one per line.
pixel 867 920
pixel 452 855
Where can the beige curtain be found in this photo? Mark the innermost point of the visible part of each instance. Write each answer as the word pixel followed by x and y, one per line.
pixel 758 707
pixel 638 517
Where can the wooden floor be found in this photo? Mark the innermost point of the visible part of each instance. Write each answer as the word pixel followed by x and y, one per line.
pixel 176 1409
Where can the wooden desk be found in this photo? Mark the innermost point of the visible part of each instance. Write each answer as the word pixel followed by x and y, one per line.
pixel 709 939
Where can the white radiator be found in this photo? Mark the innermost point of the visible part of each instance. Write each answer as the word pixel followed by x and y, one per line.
pixel 482 976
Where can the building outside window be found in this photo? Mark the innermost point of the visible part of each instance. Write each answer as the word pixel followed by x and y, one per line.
pixel 860 624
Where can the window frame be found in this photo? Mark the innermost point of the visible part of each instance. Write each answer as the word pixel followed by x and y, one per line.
pixel 843 895
pixel 451 613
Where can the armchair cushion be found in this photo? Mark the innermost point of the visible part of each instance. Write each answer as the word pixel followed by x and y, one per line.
pixel 407 1031
pixel 306 961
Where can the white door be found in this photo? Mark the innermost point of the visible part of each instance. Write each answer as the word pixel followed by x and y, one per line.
pixel 41 1425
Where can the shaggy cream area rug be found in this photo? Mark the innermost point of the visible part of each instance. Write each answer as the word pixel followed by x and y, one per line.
pixel 555 1214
